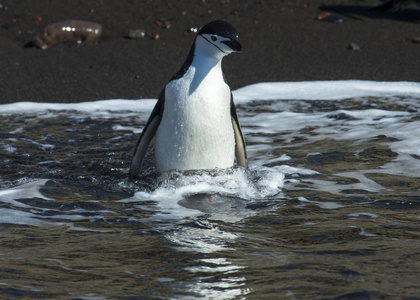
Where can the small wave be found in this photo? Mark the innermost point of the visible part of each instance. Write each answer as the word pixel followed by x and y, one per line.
pixel 182 194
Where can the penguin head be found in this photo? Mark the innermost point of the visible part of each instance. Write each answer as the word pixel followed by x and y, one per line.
pixel 221 37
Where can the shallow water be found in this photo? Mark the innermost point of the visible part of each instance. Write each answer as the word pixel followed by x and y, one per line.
pixel 329 208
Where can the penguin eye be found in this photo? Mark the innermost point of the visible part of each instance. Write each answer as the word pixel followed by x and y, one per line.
pixel 213 38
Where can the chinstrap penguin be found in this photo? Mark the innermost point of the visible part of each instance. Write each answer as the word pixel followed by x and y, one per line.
pixel 194 122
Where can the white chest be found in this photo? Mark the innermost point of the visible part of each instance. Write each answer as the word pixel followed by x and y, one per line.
pixel 196 129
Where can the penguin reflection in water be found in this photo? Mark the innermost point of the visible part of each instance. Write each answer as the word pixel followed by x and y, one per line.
pixel 194 122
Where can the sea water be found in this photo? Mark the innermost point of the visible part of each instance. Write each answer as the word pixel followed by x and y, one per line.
pixel 329 207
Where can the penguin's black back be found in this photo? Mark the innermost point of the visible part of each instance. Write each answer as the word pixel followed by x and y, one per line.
pixel 186 64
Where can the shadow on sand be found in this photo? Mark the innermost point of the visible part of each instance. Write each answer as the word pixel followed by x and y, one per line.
pixel 362 12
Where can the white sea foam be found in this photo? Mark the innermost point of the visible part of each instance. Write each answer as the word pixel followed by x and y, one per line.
pixel 309 90
pixel 88 107
pixel 234 188
pixel 323 205
pixel 13 216
pixel 323 90
pixel 7 147
pixel 276 119
pixel 362 214
pixel 26 190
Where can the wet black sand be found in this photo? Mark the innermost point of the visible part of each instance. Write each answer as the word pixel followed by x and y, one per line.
pixel 282 42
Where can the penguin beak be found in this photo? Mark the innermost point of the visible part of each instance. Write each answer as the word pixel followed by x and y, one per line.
pixel 234 45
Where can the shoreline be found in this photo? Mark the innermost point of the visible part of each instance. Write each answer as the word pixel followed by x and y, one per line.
pixel 283 42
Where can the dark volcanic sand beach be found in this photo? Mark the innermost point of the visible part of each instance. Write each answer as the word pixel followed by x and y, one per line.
pixel 282 42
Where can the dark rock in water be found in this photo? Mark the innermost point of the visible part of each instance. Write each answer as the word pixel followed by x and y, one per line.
pixel 341 116
pixel 83 32
pixel 330 17
pixel 416 40
pixel 395 5
pixel 354 47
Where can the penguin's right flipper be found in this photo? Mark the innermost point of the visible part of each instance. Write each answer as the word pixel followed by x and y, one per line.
pixel 146 137
pixel 240 147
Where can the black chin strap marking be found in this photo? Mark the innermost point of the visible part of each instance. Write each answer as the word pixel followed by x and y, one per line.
pixel 213 44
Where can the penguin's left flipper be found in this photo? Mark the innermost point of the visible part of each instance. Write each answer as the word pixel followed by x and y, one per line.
pixel 240 148
pixel 146 137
